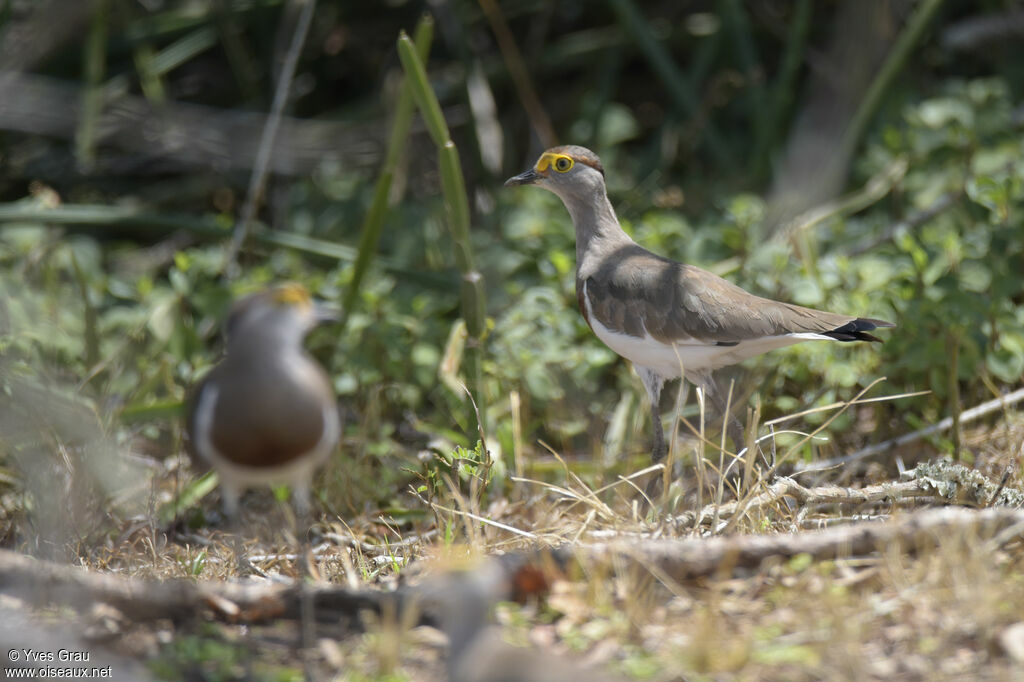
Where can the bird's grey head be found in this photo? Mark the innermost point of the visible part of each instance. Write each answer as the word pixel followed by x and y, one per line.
pixel 570 171
pixel 281 316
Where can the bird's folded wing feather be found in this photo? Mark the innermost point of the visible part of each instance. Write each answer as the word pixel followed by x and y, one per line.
pixel 637 293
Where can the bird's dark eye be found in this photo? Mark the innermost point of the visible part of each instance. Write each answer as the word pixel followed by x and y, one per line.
pixel 562 164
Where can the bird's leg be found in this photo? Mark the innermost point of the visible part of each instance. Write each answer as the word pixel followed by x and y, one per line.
pixel 302 521
pixel 230 494
pixel 302 527
pixel 653 384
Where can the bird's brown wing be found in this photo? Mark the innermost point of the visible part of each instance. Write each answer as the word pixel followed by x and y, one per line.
pixel 635 291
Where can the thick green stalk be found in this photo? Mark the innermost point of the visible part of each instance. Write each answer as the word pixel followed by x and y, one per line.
pixel 184 49
pixel 427 102
pixel 149 78
pixel 472 293
pixel 783 90
pixel 457 204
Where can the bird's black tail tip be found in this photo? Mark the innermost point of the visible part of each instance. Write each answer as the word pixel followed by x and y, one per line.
pixel 857 330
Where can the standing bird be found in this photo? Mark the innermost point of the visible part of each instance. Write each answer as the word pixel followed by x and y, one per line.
pixel 668 318
pixel 266 414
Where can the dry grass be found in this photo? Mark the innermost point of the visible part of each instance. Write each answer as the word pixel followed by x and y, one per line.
pixel 944 612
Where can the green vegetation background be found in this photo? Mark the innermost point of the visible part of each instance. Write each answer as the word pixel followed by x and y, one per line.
pixel 112 246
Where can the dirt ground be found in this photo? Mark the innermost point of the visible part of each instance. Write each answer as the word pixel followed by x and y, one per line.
pixel 949 606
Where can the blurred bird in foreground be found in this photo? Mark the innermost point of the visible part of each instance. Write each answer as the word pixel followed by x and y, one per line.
pixel 267 413
pixel 459 602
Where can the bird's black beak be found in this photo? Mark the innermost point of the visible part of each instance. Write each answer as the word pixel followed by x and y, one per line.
pixel 325 312
pixel 530 177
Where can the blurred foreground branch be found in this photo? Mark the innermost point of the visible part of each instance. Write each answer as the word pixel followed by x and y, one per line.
pixel 458 601
pixel 516 575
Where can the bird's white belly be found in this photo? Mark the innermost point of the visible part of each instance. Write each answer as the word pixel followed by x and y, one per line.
pixel 689 356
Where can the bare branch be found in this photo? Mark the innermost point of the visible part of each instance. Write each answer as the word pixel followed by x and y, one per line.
pixel 682 559
pixel 828 494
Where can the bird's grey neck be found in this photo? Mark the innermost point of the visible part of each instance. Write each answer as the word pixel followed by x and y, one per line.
pixel 597 227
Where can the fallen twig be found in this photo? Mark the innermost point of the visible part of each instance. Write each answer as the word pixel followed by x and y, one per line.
pixel 941 479
pixel 828 494
pixel 384 549
pixel 681 559
pixel 39 582
pixel 832 521
pixel 42 582
pixel 457 601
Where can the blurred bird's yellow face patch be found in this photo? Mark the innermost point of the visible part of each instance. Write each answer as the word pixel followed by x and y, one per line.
pixel 560 163
pixel 293 294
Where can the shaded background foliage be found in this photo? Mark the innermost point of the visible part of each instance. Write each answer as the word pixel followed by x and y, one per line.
pixel 861 157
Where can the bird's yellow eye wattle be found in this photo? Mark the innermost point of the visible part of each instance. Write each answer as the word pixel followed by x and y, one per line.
pixel 293 293
pixel 560 162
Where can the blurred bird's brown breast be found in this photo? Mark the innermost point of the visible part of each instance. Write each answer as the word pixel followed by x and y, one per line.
pixel 264 419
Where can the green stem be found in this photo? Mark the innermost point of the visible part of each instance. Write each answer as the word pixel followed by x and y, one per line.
pixel 893 64
pixel 374 221
pixel 427 102
pixel 661 61
pixel 953 350
pixel 120 217
pixel 92 95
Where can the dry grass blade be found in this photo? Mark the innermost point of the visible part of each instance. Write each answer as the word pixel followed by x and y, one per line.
pixel 588 494
pixel 843 403
pixel 841 409
pixel 587 499
pixel 976 412
pixel 486 521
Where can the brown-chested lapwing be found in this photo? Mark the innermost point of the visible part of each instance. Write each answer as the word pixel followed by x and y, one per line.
pixel 668 318
pixel 267 413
